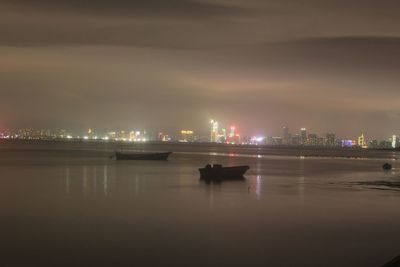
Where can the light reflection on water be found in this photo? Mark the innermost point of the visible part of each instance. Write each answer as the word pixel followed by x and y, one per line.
pixel 301 187
pixel 105 180
pixel 255 186
pixel 67 182
pixel 148 213
pixel 84 180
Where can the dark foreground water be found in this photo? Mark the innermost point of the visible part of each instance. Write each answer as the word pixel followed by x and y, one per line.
pixel 80 208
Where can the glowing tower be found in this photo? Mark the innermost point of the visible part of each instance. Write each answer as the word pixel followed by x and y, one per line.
pixel 214 131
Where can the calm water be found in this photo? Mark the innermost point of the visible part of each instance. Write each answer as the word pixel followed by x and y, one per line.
pixel 77 208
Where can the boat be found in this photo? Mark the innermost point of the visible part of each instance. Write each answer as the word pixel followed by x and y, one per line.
pixel 142 155
pixel 387 166
pixel 218 173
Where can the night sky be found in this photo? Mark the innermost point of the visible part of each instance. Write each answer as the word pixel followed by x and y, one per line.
pixel 329 65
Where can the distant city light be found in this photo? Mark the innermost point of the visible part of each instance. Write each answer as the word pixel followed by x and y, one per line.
pixel 218 133
pixel 214 131
pixel 394 141
pixel 259 139
pixel 348 143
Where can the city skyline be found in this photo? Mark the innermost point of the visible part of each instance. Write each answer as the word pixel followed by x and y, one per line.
pixel 217 133
pixel 203 130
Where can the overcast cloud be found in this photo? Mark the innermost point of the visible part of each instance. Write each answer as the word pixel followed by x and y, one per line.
pixel 166 65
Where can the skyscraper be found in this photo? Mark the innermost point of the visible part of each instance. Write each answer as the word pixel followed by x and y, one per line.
pixel 214 131
pixel 223 136
pixel 313 139
pixel 330 139
pixel 303 135
pixel 286 135
pixel 394 141
pixel 232 132
pixel 187 136
pixel 361 141
pixel 234 137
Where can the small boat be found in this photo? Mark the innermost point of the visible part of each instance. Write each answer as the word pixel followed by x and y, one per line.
pixel 387 166
pixel 219 173
pixel 142 155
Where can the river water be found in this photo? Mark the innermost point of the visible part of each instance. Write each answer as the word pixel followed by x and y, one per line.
pixel 78 207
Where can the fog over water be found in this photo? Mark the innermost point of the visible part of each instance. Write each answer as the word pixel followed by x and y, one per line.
pixel 79 207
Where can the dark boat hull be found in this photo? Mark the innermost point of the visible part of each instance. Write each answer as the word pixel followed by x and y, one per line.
pixel 142 156
pixel 387 166
pixel 223 173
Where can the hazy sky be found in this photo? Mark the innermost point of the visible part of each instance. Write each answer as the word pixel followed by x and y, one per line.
pixel 329 65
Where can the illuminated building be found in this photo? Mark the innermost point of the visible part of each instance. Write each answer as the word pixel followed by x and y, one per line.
pixel 385 144
pixel 395 141
pixel 122 135
pixel 132 136
pixel 222 137
pixel 136 136
pixel 373 144
pixel 296 140
pixel 160 136
pixel 348 143
pixel 233 138
pixel 91 134
pixel 60 133
pixel 256 140
pixel 112 135
pixel 330 139
pixel 303 135
pixel 320 141
pixel 286 135
pixel 232 132
pixel 274 140
pixel 145 136
pixel 247 140
pixel 214 131
pixel 186 136
pixel 361 141
pixel 237 139
pixel 313 139
pixel 166 138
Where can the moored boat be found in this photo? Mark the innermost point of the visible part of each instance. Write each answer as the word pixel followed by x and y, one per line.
pixel 386 166
pixel 142 155
pixel 219 173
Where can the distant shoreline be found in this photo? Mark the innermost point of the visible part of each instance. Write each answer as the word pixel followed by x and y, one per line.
pixel 196 144
pixel 257 150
